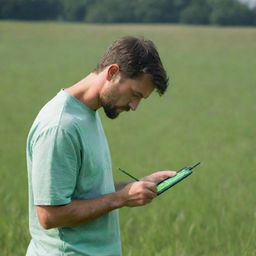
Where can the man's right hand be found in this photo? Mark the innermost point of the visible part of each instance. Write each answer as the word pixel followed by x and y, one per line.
pixel 138 193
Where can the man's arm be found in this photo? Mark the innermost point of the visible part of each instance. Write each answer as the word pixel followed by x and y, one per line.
pixel 84 210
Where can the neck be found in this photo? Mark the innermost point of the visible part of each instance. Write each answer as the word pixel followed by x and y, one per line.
pixel 87 90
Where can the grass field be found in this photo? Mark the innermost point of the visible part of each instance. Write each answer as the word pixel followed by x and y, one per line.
pixel 208 115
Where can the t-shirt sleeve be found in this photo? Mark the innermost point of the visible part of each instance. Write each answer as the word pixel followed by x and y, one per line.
pixel 55 165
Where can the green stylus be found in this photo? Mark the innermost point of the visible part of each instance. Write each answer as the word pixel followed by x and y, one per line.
pixel 128 174
pixel 169 182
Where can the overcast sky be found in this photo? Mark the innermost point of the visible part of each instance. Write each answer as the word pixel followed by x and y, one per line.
pixel 251 3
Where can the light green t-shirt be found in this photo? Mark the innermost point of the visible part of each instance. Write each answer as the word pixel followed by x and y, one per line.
pixel 68 158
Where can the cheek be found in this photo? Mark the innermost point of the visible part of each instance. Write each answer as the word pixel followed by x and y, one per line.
pixel 117 95
pixel 122 101
pixel 108 95
pixel 124 96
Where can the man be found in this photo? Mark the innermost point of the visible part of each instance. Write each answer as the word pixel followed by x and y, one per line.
pixel 72 196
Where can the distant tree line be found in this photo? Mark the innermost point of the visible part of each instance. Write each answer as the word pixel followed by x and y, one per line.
pixel 216 12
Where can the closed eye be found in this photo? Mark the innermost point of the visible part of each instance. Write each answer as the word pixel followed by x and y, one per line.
pixel 138 95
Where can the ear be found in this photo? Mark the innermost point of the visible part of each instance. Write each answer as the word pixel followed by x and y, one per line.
pixel 112 70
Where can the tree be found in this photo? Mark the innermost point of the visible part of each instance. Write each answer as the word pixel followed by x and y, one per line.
pixel 110 11
pixel 159 11
pixel 74 10
pixel 217 12
pixel 196 13
pixel 29 9
pixel 254 16
pixel 230 12
pixel 135 11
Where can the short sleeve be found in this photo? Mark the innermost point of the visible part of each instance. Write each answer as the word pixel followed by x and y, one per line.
pixel 55 164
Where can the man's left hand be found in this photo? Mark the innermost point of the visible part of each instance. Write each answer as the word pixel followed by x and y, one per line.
pixel 157 177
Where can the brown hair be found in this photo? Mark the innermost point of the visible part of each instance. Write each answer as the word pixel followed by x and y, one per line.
pixel 136 56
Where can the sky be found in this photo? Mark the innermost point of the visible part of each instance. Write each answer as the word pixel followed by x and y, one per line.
pixel 251 3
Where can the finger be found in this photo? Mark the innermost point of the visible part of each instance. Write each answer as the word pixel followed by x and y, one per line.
pixel 149 194
pixel 166 174
pixel 147 201
pixel 151 186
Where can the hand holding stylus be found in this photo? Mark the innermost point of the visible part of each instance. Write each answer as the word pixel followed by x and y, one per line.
pixel 165 179
pixel 138 193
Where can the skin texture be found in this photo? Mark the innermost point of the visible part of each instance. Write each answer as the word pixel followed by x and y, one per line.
pixel 107 89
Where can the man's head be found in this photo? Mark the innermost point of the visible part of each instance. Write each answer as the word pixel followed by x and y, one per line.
pixel 134 70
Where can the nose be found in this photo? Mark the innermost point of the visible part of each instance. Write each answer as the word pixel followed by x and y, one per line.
pixel 134 104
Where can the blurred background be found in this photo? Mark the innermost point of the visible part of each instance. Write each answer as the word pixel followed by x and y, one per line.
pixel 207 114
pixel 216 12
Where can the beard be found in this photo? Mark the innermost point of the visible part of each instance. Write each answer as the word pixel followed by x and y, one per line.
pixel 111 111
pixel 108 99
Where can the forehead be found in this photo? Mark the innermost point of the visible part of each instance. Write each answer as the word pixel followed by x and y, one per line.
pixel 142 85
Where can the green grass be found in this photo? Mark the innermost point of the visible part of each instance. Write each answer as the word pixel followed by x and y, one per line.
pixel 208 115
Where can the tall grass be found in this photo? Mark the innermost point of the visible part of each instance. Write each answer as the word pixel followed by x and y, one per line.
pixel 208 115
